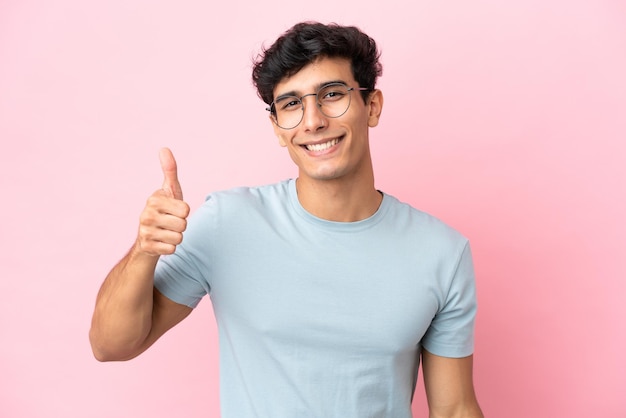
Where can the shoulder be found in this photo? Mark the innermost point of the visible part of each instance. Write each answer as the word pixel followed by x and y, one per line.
pixel 421 225
pixel 240 204
pixel 249 196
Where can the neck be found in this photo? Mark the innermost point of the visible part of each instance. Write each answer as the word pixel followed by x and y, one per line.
pixel 339 200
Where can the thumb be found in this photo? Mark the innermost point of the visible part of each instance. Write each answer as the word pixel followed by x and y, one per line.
pixel 170 174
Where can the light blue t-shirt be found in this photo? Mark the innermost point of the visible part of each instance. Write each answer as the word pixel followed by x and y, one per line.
pixel 319 318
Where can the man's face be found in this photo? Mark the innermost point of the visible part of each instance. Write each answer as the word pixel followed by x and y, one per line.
pixel 326 148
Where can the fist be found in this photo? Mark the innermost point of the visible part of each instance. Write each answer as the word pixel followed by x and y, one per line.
pixel 164 218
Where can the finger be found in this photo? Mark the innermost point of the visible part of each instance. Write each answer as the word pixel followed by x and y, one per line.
pixel 171 223
pixel 159 242
pixel 163 236
pixel 161 202
pixel 170 174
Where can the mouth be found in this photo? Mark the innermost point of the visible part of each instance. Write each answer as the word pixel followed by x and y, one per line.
pixel 322 146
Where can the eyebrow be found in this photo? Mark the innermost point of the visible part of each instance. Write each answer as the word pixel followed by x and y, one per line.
pixel 316 88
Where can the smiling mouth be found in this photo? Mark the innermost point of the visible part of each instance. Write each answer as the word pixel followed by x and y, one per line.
pixel 324 146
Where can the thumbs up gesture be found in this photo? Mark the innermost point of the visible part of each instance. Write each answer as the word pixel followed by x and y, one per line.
pixel 164 218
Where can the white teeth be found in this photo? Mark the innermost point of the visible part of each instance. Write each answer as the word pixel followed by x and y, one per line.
pixel 322 147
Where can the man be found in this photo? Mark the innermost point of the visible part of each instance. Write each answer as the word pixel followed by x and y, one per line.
pixel 326 291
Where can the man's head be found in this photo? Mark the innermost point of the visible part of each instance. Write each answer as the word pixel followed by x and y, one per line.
pixel 311 78
pixel 307 42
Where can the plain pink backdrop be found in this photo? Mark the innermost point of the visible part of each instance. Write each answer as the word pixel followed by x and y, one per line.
pixel 505 119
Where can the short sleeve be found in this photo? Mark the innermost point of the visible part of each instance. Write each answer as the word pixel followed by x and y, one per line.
pixel 451 333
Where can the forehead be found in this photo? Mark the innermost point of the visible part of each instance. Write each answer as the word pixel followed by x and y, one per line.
pixel 315 74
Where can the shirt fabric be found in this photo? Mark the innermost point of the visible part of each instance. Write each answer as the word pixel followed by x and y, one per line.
pixel 319 318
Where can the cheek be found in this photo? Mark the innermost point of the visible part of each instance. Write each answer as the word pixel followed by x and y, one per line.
pixel 282 141
pixel 361 120
pixel 361 125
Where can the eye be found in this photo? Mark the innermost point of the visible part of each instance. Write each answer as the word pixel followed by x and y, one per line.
pixel 332 93
pixel 288 103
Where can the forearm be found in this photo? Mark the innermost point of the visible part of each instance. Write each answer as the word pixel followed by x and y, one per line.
pixel 464 406
pixel 472 411
pixel 122 316
pixel 449 387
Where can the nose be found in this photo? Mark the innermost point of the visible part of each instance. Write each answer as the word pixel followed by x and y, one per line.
pixel 312 119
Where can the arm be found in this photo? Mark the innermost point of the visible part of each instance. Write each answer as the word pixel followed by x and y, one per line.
pixel 449 387
pixel 130 314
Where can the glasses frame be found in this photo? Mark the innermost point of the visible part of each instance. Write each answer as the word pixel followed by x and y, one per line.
pixel 272 107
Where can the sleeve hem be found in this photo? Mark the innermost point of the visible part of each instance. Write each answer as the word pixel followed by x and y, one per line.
pixel 176 297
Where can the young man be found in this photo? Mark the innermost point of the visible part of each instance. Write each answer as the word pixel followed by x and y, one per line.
pixel 326 291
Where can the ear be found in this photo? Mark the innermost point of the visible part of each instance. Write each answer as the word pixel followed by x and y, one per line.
pixel 376 107
pixel 278 132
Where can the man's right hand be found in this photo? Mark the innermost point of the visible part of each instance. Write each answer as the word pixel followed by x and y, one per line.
pixel 164 218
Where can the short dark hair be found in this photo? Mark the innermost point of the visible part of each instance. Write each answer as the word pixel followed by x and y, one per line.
pixel 306 42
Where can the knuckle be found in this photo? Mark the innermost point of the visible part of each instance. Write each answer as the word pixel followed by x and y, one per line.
pixel 168 249
pixel 145 218
pixel 145 237
pixel 148 216
pixel 152 200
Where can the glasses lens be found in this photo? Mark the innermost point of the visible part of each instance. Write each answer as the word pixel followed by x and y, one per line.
pixel 288 111
pixel 333 100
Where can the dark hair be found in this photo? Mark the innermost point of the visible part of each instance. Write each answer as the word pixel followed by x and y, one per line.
pixel 308 41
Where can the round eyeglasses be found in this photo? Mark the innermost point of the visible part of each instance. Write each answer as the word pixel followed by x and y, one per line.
pixel 332 99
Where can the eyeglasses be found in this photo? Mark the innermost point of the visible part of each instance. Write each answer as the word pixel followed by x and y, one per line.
pixel 333 100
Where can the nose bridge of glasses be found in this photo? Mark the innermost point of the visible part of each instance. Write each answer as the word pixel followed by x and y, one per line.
pixel 317 102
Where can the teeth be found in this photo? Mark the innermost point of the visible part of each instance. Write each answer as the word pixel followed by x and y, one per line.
pixel 322 147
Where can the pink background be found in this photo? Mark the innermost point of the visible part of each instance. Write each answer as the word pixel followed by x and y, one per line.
pixel 505 119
